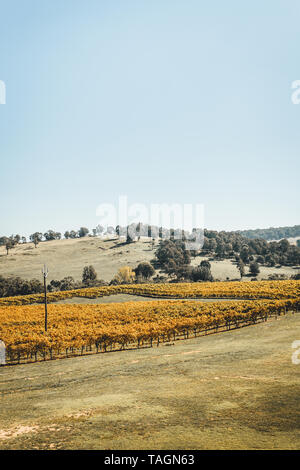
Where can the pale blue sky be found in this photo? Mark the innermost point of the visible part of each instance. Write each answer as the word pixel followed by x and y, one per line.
pixel 164 101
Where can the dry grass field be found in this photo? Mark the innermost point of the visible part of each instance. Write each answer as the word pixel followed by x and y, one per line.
pixel 68 257
pixel 233 390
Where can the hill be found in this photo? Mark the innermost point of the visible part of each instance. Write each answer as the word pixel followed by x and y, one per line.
pixel 273 233
pixel 67 257
pixel 233 390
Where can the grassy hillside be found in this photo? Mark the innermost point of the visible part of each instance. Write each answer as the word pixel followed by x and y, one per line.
pixel 232 390
pixel 68 257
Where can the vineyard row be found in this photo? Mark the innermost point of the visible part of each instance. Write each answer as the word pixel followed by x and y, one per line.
pixel 77 329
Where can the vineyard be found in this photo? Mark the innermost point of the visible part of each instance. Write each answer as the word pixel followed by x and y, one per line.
pixel 84 329
pixel 244 290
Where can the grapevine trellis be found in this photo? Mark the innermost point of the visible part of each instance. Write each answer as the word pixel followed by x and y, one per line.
pixel 85 329
pixel 244 290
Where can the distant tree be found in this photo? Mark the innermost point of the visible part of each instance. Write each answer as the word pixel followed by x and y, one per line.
pixel 144 270
pixel 83 231
pixel 9 245
pixel 73 234
pixel 228 248
pixel 270 260
pixel 241 267
pixel 284 245
pixel 23 239
pixel 111 230
pixel 244 254
pixel 99 229
pixel 129 237
pixel 201 274
pixel 88 275
pixel 11 286
pixel 254 268
pixel 152 243
pixel 205 264
pixel 67 283
pixel 125 275
pixel 172 255
pixel 36 238
pixel 3 241
pixel 138 229
pixel 67 234
pixel 50 235
pixel 212 245
pixel 220 250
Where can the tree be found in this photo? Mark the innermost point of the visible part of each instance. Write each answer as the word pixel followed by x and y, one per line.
pixel 271 260
pixel 99 229
pixel 67 234
pixel 145 270
pixel 50 235
pixel 36 238
pixel 125 275
pixel 129 237
pixel 241 267
pixel 73 234
pixel 83 231
pixel 220 250
pixel 205 264
pixel 3 240
pixel 172 255
pixel 9 245
pixel 201 274
pixel 88 275
pixel 212 245
pixel 16 286
pixel 67 283
pixel 254 268
pixel 244 254
pixel 284 245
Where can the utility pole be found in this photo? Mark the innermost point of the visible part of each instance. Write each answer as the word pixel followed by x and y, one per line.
pixel 45 274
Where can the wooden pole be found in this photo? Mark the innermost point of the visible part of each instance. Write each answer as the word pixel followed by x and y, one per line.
pixel 46 313
pixel 45 274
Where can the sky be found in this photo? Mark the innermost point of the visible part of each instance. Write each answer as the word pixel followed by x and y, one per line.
pixel 163 101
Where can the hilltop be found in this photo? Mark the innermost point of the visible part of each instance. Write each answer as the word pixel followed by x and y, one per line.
pixel 67 257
